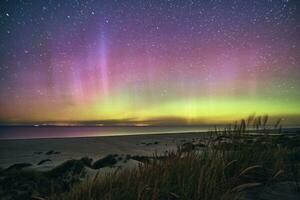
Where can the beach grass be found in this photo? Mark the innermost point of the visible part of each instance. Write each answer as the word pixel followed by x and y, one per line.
pixel 225 164
pixel 230 162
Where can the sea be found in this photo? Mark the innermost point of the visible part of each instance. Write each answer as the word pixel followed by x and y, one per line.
pixel 30 132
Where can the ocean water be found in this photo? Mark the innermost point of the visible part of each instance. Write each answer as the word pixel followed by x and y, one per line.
pixel 27 132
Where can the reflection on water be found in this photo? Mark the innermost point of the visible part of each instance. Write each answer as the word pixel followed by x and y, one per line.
pixel 55 132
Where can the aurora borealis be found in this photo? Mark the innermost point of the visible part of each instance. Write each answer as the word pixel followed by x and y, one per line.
pixel 157 61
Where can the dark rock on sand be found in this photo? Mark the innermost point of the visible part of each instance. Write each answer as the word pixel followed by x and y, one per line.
pixel 52 152
pixel 149 143
pixel 87 161
pixel 18 166
pixel 107 161
pixel 126 158
pixel 142 159
pixel 43 161
pixel 145 159
pixel 119 158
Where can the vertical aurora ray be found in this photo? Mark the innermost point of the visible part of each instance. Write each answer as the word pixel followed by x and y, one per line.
pixel 202 62
pixel 102 65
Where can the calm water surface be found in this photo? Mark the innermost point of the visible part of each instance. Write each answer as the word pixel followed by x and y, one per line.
pixel 61 132
pixel 57 132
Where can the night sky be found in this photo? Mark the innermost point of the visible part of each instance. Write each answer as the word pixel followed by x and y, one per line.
pixel 147 61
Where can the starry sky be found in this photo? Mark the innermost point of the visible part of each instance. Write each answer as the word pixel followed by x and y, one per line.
pixel 149 61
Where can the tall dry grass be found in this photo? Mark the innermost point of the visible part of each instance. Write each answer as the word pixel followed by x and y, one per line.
pixel 233 161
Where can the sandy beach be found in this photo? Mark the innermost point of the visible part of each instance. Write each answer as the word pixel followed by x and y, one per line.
pixel 58 150
pixel 59 159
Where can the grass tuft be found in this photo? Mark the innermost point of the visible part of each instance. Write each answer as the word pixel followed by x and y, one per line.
pixel 224 166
